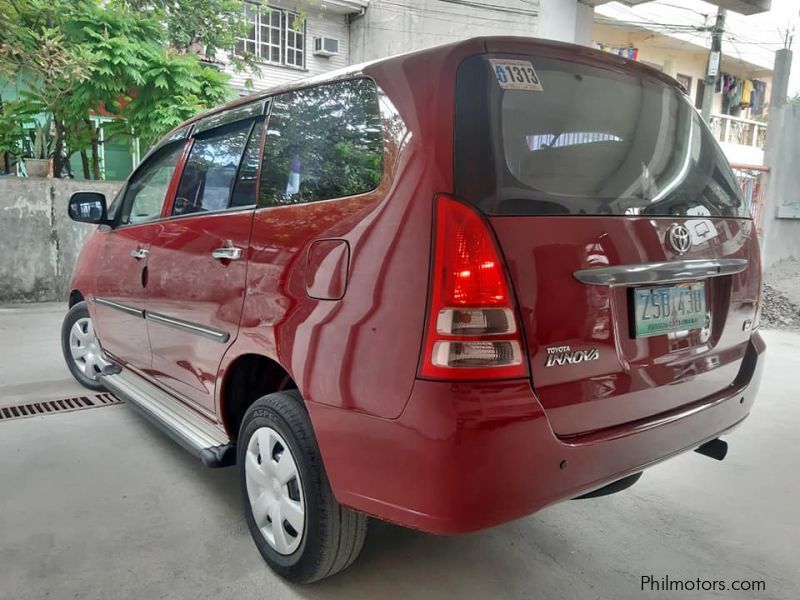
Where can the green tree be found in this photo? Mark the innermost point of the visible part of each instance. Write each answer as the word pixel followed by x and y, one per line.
pixel 84 56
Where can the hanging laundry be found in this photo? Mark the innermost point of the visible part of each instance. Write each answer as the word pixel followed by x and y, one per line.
pixel 747 91
pixel 759 98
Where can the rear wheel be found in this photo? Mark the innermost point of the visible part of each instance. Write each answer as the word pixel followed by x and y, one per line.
pixel 302 532
pixel 81 348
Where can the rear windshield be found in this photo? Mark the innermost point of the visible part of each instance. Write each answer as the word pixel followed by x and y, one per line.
pixel 543 136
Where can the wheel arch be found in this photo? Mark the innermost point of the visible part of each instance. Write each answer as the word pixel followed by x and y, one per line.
pixel 247 378
pixel 75 296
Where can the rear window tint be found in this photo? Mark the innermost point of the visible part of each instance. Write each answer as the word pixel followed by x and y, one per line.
pixel 322 142
pixel 590 142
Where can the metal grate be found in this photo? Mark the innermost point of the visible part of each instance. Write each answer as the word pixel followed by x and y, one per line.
pixel 35 409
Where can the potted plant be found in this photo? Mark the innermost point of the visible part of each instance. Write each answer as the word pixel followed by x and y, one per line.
pixel 42 152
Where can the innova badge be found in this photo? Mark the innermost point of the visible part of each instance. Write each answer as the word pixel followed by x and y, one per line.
pixel 564 355
pixel 679 238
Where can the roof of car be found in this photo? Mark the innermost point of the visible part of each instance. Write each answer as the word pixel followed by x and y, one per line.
pixel 484 44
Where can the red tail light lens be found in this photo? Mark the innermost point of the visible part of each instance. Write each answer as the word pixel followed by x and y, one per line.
pixel 472 327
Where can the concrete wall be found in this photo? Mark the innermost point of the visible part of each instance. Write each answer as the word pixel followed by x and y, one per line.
pixel 38 242
pixel 394 26
pixel 781 233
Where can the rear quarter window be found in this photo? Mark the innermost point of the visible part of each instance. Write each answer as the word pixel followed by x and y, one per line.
pixel 588 141
pixel 322 142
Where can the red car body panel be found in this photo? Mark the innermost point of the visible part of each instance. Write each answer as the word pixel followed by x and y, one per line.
pixel 464 457
pixel 336 292
pixel 186 283
pixel 633 378
pixel 118 277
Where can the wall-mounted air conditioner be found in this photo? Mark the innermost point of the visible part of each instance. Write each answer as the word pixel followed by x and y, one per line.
pixel 326 46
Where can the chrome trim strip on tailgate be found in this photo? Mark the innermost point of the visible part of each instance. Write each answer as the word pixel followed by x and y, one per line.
pixel 661 272
pixel 195 432
pixel 214 334
pixel 120 307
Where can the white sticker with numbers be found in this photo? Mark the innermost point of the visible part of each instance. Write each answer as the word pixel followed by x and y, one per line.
pixel 515 75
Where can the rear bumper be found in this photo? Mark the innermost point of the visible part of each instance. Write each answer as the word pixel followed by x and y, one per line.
pixel 464 457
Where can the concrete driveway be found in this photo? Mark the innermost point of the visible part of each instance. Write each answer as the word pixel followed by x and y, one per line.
pixel 99 504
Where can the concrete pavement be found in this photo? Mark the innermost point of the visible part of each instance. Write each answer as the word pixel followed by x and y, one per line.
pixel 99 504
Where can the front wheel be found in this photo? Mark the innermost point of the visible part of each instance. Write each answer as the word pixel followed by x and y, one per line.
pixel 81 348
pixel 302 532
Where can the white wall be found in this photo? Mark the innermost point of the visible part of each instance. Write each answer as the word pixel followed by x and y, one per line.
pixel 394 26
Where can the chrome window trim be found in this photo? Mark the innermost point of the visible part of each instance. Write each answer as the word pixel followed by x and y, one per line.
pixel 661 272
pixel 209 332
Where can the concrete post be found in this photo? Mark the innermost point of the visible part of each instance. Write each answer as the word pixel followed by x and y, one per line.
pixel 780 237
pixel 584 19
pixel 557 20
pixel 780 78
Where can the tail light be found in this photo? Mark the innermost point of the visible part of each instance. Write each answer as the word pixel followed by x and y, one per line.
pixel 472 330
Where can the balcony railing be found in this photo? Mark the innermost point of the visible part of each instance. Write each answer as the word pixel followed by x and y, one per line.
pixel 742 132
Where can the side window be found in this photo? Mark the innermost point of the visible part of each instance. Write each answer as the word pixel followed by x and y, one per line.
pixel 210 170
pixel 323 142
pixel 147 189
pixel 244 191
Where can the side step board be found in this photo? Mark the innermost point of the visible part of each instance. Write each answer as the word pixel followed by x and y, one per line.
pixel 195 433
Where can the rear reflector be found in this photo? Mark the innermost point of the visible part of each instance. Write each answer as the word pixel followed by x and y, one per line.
pixel 472 326
pixel 476 354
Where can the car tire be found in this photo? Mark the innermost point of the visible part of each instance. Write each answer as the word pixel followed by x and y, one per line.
pixel 329 537
pixel 81 349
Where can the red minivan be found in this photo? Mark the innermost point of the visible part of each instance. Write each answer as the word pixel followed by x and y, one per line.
pixel 444 289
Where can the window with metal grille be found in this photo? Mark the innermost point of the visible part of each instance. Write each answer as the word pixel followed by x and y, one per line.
pixel 275 36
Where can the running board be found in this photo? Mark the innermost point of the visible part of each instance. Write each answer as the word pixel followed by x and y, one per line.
pixel 195 433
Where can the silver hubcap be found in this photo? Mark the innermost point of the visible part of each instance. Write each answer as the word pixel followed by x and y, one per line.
pixel 85 349
pixel 275 490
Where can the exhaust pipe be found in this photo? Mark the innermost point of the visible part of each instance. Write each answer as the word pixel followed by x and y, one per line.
pixel 716 449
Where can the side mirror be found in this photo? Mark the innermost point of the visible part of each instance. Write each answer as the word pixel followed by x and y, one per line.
pixel 88 207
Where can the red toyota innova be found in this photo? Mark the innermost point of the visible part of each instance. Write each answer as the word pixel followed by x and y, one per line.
pixel 444 289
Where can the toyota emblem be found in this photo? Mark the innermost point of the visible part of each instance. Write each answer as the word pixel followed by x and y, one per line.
pixel 679 238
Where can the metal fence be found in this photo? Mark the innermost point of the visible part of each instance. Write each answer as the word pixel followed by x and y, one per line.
pixel 734 130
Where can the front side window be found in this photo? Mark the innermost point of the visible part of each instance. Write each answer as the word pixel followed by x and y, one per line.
pixel 147 188
pixel 210 171
pixel 323 142
pixel 274 36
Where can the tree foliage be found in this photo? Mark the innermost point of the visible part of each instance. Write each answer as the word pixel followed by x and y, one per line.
pixel 78 57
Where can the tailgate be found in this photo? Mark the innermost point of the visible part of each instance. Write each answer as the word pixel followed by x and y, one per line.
pixel 590 370
pixel 581 161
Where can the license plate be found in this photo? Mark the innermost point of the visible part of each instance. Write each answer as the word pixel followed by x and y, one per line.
pixel 669 308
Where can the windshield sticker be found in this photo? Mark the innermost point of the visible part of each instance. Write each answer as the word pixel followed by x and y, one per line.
pixel 515 75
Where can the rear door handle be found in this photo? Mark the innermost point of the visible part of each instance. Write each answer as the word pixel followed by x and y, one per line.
pixel 227 253
pixel 140 253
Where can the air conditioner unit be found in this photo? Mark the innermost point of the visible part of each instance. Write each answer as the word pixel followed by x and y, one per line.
pixel 325 46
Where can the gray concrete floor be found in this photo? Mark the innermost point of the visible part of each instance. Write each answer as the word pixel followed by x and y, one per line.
pixel 99 504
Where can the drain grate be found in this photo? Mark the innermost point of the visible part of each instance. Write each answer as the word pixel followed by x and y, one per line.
pixel 35 409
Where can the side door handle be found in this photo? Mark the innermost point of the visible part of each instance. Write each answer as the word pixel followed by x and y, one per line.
pixel 140 253
pixel 227 253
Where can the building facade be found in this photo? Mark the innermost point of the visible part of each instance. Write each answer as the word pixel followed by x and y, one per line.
pixel 335 34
